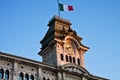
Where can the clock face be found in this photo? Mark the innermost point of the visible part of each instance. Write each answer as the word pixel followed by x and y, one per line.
pixel 69 48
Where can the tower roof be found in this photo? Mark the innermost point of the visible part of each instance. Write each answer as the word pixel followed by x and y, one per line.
pixel 59 19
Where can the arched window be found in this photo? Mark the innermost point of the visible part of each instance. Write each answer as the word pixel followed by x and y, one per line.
pixel 67 58
pixel 44 78
pixel 73 59
pixel 70 58
pixel 26 77
pixel 78 60
pixel 1 73
pixel 7 75
pixel 21 77
pixel 31 77
pixel 48 79
pixel 62 57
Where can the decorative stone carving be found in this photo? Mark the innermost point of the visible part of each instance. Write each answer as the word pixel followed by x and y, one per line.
pixel 6 64
pixel 74 68
pixel 26 68
pixel 71 77
pixel 49 74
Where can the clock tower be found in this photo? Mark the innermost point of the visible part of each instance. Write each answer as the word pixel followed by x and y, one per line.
pixel 61 45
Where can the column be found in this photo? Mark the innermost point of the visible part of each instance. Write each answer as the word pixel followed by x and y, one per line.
pixel 4 70
pixel 10 74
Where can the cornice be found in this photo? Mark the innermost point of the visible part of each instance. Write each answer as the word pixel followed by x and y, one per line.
pixel 23 60
pixel 59 19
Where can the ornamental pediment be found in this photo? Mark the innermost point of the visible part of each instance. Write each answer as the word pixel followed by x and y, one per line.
pixel 75 68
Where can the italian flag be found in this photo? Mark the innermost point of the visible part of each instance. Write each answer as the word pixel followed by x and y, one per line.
pixel 63 7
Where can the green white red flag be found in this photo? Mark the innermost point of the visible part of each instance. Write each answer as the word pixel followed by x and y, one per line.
pixel 63 7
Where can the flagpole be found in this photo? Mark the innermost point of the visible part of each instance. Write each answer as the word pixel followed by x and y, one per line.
pixel 58 8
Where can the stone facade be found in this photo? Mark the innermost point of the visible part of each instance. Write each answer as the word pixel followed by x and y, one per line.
pixel 62 53
pixel 61 44
pixel 35 70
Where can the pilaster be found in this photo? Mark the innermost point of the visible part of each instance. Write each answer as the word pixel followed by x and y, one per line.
pixel 39 73
pixel 63 76
pixel 15 72
pixel 84 78
pixel 60 76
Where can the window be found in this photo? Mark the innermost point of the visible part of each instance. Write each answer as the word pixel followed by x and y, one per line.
pixel 1 73
pixel 26 77
pixel 44 78
pixel 48 79
pixel 73 59
pixel 78 60
pixel 7 75
pixel 21 76
pixel 31 77
pixel 70 58
pixel 62 57
pixel 67 58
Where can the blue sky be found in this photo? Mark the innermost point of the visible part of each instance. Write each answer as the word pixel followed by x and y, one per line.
pixel 23 23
